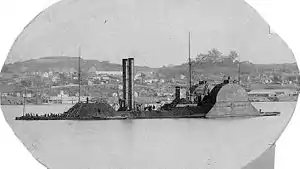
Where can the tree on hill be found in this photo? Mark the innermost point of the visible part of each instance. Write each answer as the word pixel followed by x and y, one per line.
pixel 233 55
pixel 201 57
pixel 26 83
pixel 214 54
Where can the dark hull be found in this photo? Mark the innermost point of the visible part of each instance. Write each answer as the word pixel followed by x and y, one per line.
pixel 34 118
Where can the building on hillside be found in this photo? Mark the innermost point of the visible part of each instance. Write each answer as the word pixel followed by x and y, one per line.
pixel 46 75
pixel 267 81
pixel 90 82
pixel 92 70
pixel 96 78
pixel 50 73
pixel 149 81
pixel 273 95
pixel 283 82
pixel 138 76
pixel 118 73
pixel 286 92
pixel 63 98
pixel 262 93
pixel 162 80
pixel 28 95
pixel 4 94
pixel 55 78
pixel 155 80
pixel 105 78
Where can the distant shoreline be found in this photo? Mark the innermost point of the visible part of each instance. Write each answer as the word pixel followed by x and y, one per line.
pixel 285 101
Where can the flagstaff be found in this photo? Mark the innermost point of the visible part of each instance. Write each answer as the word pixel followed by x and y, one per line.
pixel 79 80
pixel 190 69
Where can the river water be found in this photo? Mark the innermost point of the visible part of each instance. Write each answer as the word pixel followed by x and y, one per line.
pixel 155 143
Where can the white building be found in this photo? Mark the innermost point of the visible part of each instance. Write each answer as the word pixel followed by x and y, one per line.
pixel 90 83
pixel 55 79
pixel 105 78
pixel 46 74
pixel 119 73
pixel 262 93
pixel 183 93
pixel 28 95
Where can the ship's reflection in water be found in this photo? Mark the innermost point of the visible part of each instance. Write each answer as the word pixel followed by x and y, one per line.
pixel 155 143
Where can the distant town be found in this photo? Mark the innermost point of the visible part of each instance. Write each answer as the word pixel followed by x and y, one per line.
pixel 54 80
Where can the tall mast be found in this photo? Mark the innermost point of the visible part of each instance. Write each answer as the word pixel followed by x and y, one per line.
pixel 79 78
pixel 239 75
pixel 190 68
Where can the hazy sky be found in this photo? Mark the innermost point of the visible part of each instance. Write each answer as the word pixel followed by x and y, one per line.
pixel 154 32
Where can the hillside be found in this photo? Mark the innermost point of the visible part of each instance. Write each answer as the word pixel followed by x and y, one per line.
pixel 230 68
pixel 208 69
pixel 62 64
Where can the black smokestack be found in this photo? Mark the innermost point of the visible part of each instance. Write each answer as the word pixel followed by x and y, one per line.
pixel 124 73
pixel 130 83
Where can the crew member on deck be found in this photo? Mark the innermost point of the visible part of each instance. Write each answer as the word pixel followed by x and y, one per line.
pixel 203 91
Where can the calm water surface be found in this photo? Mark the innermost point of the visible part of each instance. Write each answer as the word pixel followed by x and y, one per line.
pixel 136 144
